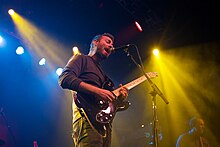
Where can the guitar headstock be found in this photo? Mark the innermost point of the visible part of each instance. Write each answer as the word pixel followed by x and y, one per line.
pixel 152 74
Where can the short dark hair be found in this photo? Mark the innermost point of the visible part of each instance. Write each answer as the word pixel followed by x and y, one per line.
pixel 98 37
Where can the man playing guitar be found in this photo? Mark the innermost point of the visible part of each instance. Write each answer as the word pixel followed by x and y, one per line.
pixel 83 75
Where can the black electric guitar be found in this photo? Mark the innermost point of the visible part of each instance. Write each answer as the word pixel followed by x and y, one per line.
pixel 99 112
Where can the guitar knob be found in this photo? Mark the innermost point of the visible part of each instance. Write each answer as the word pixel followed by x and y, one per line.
pixel 101 120
pixel 101 102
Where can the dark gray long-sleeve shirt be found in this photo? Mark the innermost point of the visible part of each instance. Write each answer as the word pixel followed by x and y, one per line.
pixel 81 68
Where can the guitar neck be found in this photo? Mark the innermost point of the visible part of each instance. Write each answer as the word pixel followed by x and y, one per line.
pixel 131 84
pixel 135 82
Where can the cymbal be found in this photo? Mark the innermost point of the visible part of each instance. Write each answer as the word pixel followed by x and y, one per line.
pixel 2 142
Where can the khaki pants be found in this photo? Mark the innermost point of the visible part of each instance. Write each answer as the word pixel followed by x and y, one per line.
pixel 85 136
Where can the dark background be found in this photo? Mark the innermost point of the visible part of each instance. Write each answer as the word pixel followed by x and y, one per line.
pixel 36 108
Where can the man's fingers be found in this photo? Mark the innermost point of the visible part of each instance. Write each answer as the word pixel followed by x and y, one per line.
pixel 110 96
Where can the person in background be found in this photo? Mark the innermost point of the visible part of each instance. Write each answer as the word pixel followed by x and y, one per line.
pixel 194 137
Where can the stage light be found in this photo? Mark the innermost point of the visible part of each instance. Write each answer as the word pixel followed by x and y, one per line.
pixel 156 52
pixel 138 26
pixel 59 71
pixel 75 50
pixel 11 12
pixel 20 50
pixel 1 39
pixel 2 42
pixel 42 61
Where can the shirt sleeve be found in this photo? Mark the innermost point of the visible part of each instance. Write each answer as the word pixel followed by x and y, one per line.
pixel 69 77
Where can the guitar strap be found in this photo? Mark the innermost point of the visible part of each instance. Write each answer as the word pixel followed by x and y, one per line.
pixel 107 79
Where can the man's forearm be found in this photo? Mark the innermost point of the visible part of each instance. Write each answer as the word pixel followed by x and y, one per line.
pixel 88 88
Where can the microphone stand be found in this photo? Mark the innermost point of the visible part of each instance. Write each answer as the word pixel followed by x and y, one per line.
pixel 155 91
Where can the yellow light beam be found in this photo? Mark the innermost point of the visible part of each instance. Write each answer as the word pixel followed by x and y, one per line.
pixel 38 42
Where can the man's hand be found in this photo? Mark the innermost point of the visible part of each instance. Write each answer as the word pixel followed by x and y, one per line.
pixel 105 94
pixel 123 92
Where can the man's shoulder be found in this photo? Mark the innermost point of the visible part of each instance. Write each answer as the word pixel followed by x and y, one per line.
pixel 185 136
pixel 83 56
pixel 79 57
pixel 184 140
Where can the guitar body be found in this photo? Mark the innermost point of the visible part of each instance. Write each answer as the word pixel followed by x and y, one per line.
pixel 98 112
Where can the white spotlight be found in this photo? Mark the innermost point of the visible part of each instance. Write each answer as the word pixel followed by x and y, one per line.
pixel 11 12
pixel 75 50
pixel 42 61
pixel 59 71
pixel 20 50
pixel 2 41
pixel 156 52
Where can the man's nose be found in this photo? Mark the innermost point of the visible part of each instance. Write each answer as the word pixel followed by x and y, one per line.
pixel 110 46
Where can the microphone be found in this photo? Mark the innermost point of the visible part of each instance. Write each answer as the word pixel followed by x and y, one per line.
pixel 120 48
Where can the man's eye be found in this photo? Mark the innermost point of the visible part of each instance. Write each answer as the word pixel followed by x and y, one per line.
pixel 108 41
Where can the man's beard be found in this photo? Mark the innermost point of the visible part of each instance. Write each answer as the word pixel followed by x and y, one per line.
pixel 101 56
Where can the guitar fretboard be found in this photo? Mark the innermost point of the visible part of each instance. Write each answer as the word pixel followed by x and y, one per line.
pixel 134 83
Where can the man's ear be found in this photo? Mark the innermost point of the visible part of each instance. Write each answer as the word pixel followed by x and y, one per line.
pixel 95 42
